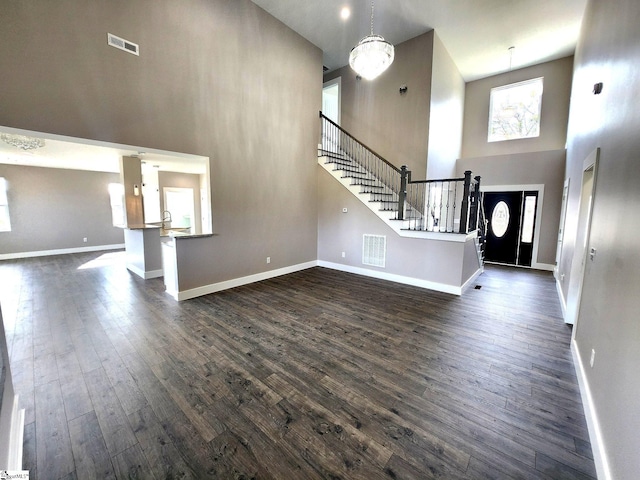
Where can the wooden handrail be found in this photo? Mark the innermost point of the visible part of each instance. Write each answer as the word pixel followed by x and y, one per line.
pixel 470 199
pixel 438 180
pixel 358 141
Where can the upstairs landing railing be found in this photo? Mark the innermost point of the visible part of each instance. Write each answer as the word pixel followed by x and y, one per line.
pixel 447 206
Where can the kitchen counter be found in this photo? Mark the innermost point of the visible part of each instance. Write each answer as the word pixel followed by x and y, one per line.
pixel 143 252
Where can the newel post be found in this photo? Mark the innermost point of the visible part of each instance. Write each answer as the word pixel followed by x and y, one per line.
pixel 476 202
pixel 464 213
pixel 402 194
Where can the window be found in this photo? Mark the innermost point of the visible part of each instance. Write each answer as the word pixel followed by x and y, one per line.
pixel 500 219
pixel 5 221
pixel 116 194
pixel 528 218
pixel 514 111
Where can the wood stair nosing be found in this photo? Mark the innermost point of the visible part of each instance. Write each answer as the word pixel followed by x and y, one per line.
pixel 331 153
pixel 356 177
pixel 348 168
pixel 377 195
pixel 343 163
pixel 364 183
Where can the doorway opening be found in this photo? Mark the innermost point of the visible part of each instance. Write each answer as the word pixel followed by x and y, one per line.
pixel 585 211
pixel 331 99
pixel 179 203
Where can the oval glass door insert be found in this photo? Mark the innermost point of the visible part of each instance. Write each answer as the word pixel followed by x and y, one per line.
pixel 500 219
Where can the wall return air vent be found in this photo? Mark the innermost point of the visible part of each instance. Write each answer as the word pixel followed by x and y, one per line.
pixel 123 44
pixel 374 250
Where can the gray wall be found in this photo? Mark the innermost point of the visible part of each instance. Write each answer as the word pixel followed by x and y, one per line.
pixel 546 168
pixel 55 209
pixel 434 261
pixel 183 180
pixel 395 126
pixel 608 321
pixel 554 113
pixel 447 113
pixel 217 78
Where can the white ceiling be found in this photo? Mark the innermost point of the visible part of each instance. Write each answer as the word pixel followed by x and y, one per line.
pixel 477 33
pixel 81 154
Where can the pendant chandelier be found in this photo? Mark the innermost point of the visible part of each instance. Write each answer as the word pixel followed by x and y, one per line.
pixel 22 142
pixel 372 55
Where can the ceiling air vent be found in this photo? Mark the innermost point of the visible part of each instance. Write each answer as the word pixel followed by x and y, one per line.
pixel 123 44
pixel 374 250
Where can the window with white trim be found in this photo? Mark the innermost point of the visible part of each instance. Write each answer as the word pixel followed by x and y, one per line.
pixel 514 110
pixel 116 196
pixel 5 220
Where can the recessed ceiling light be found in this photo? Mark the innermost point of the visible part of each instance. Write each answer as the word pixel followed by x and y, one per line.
pixel 345 13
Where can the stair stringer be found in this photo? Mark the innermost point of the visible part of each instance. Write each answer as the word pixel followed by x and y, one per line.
pixel 398 226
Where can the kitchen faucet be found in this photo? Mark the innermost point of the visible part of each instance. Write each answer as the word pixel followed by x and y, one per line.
pixel 166 217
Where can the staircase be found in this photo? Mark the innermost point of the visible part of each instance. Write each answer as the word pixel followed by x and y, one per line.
pixel 418 209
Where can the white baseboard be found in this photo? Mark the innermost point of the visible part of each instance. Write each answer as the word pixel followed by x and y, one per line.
pixel 237 282
pixel 12 426
pixel 543 266
pixel 173 293
pixel 472 279
pixel 563 302
pixel 595 434
pixel 416 282
pixel 143 274
pixel 17 437
pixel 60 251
pixel 534 266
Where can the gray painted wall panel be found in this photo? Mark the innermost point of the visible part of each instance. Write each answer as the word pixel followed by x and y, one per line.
pixel 608 321
pixel 446 112
pixel 218 78
pixel 554 114
pixel 54 209
pixel 430 260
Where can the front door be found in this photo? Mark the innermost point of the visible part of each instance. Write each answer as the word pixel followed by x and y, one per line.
pixel 502 211
pixel 510 226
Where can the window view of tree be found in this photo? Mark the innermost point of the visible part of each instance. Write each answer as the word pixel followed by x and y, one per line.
pixel 514 111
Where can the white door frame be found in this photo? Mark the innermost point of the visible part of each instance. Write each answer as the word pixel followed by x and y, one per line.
pixel 166 190
pixel 538 187
pixel 584 224
pixel 563 220
pixel 330 83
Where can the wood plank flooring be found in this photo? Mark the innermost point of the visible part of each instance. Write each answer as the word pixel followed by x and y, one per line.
pixel 317 374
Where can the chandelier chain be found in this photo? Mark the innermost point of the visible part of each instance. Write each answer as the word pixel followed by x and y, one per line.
pixel 372 55
pixel 371 17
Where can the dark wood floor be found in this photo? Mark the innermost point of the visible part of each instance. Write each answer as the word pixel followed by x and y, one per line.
pixel 318 374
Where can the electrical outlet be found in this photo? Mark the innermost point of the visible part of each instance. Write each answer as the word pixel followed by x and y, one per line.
pixel 344 254
pixel 84 239
pixel 593 357
pixel 268 259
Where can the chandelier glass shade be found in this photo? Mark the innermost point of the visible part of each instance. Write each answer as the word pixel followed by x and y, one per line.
pixel 22 142
pixel 372 55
